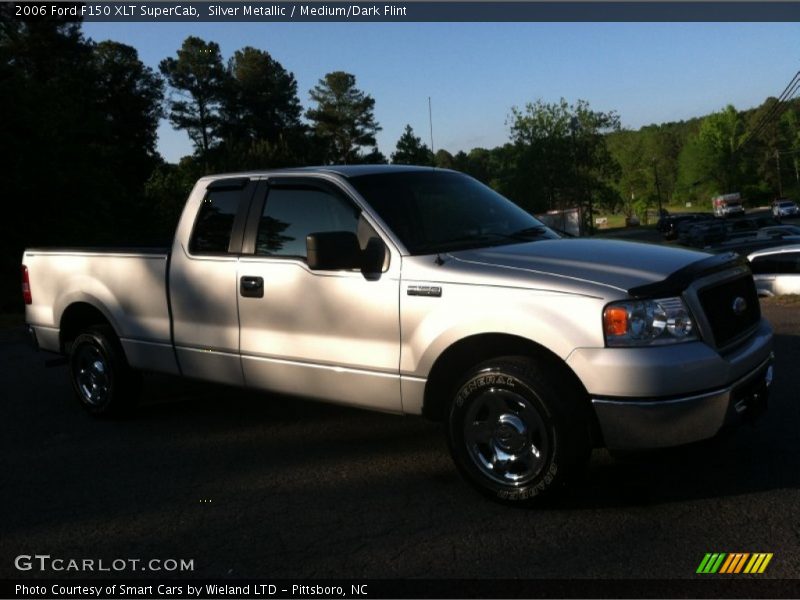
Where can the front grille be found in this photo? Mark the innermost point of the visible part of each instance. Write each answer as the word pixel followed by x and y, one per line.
pixel 718 304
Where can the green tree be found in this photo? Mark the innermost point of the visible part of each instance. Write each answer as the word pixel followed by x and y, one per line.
pixel 130 97
pixel 198 79
pixel 561 157
pixel 444 160
pixel 373 157
pixel 720 137
pixel 343 120
pixel 411 151
pixel 86 115
pixel 260 103
pixel 259 115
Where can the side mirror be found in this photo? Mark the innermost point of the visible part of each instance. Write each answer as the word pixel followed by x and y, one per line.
pixel 373 258
pixel 333 251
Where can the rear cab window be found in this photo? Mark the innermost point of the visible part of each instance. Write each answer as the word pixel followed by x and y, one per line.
pixel 217 227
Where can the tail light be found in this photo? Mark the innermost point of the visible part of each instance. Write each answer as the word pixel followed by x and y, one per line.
pixel 26 286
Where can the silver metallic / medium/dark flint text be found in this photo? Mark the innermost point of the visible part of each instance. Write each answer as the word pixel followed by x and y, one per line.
pixel 46 562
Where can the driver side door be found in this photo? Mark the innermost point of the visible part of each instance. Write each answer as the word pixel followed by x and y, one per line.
pixel 331 335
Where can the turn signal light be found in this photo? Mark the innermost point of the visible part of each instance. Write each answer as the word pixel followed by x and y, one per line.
pixel 615 320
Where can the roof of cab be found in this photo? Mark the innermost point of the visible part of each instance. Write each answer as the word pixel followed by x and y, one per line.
pixel 346 171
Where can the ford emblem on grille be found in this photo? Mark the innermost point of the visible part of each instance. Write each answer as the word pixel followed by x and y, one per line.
pixel 739 305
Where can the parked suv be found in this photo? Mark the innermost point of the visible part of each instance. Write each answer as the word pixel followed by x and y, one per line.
pixel 776 270
pixel 785 208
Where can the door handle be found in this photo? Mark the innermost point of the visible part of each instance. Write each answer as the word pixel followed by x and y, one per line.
pixel 251 287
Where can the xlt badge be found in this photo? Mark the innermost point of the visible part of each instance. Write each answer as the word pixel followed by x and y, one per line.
pixel 425 290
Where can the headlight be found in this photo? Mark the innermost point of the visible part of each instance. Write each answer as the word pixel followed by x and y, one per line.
pixel 647 322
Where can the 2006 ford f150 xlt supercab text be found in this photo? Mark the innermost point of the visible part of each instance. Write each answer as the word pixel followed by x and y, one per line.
pixel 418 291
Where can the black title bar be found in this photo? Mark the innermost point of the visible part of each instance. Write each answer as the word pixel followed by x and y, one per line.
pixel 707 586
pixel 409 12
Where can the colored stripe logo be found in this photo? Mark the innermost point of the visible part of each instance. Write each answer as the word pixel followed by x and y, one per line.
pixel 734 562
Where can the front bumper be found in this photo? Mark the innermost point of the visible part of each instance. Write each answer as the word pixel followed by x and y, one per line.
pixel 627 424
pixel 674 394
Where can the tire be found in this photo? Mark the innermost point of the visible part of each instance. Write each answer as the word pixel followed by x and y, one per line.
pixel 517 434
pixel 103 382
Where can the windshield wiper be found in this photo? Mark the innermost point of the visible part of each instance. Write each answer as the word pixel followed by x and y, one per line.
pixel 528 232
pixel 522 235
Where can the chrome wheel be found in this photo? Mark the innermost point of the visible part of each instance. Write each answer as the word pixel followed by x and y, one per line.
pixel 506 437
pixel 92 375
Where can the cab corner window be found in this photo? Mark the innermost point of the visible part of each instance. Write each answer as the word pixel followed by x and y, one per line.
pixel 214 224
pixel 291 213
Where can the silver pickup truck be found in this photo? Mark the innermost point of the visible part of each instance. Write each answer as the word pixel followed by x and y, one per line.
pixel 417 291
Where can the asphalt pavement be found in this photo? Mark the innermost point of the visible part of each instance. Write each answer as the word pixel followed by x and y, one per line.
pixel 250 485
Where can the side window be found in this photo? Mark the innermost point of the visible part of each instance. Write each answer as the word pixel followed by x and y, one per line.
pixel 291 213
pixel 790 263
pixel 214 224
pixel 763 265
pixel 784 263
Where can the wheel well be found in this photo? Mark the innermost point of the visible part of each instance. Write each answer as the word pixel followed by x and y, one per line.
pixel 456 360
pixel 77 318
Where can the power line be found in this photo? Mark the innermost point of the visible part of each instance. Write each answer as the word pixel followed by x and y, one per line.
pixel 790 89
pixel 774 111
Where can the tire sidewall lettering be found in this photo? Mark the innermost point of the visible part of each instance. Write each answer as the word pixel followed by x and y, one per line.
pixel 545 479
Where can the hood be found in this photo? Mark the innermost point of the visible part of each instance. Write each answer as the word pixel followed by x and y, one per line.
pixel 611 263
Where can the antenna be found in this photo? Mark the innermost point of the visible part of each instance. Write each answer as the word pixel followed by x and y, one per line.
pixel 430 120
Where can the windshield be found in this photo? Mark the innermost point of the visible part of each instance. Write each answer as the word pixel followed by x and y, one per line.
pixel 436 211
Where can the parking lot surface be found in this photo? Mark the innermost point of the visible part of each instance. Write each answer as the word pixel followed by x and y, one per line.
pixel 251 485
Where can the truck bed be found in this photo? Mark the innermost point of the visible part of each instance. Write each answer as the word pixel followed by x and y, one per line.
pixel 129 282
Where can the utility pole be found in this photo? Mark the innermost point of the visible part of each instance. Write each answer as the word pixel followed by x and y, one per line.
pixel 430 120
pixel 582 194
pixel 778 164
pixel 658 187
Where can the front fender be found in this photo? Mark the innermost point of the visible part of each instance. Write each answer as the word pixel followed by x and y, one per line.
pixel 557 321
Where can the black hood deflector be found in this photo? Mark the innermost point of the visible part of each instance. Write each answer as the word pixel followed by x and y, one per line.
pixel 676 283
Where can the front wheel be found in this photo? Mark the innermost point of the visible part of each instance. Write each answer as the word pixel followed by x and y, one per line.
pixel 102 380
pixel 515 434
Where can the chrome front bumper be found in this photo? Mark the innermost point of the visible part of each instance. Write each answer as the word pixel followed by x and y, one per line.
pixel 658 423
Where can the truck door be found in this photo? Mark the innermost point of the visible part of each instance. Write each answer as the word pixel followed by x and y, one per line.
pixel 203 285
pixel 333 335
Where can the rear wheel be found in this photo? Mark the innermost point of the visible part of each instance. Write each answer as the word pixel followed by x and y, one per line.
pixel 515 434
pixel 101 378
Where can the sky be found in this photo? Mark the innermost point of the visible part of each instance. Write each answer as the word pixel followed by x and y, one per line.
pixel 475 72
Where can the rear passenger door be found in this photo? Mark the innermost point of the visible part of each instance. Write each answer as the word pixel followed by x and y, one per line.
pixel 203 284
pixel 333 335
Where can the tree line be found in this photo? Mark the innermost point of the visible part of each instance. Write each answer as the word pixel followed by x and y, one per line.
pixel 82 168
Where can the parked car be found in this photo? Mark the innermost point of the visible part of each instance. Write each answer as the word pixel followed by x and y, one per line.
pixel 668 225
pixel 776 271
pixel 704 233
pixel 416 291
pixel 785 208
pixel 778 232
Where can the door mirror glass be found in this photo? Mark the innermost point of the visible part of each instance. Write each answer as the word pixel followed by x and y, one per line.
pixel 333 251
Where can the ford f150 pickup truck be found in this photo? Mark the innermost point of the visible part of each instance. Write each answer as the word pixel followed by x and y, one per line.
pixel 417 291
